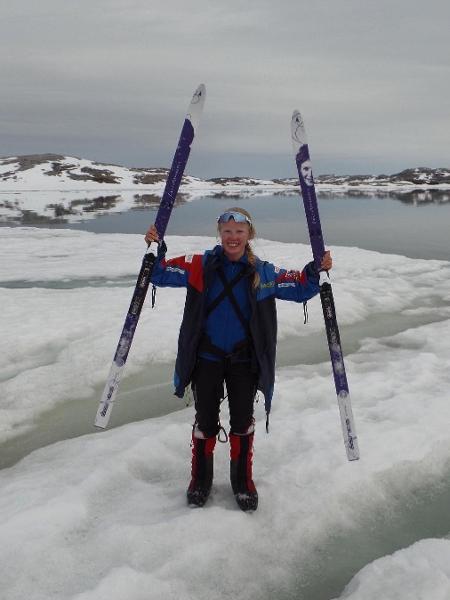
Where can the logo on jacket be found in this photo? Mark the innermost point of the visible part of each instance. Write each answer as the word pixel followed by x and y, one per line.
pixel 268 284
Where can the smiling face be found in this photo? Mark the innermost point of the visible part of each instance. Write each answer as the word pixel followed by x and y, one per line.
pixel 234 237
pixel 306 170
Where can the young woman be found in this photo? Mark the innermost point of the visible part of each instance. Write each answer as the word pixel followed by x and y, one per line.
pixel 228 335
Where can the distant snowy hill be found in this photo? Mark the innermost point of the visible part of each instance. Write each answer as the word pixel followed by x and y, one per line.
pixel 51 188
pixel 54 171
pixel 57 172
pixel 39 172
pixel 419 176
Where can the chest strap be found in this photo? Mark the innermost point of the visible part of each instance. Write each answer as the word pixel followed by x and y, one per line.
pixel 227 292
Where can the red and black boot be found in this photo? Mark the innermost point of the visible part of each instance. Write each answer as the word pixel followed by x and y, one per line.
pixel 241 454
pixel 202 468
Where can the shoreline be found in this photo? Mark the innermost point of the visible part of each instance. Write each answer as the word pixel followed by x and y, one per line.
pixel 52 172
pixel 197 188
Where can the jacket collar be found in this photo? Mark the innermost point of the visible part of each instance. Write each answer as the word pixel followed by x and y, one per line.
pixel 215 256
pixel 218 251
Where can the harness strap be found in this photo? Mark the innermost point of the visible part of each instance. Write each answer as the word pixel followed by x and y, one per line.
pixel 227 287
pixel 241 351
pixel 228 292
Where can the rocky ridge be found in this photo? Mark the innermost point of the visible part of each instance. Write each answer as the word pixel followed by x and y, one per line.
pixel 54 171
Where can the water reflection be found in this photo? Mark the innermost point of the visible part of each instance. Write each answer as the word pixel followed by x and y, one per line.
pixel 35 209
pixel 413 223
pixel 415 197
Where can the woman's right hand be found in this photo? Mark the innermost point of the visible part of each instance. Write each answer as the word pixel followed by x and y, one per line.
pixel 151 235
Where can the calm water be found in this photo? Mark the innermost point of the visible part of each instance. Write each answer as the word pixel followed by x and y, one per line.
pixel 385 224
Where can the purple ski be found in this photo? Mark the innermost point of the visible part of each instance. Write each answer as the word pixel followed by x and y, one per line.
pixel 162 218
pixel 302 158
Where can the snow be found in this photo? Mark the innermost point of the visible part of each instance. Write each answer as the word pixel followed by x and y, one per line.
pixel 38 174
pixel 103 515
pixel 99 271
pixel 418 572
pixel 37 178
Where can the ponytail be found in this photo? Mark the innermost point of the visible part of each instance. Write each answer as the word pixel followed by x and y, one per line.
pixel 252 261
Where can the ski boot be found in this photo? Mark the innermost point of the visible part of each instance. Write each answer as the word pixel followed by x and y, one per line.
pixel 241 453
pixel 202 468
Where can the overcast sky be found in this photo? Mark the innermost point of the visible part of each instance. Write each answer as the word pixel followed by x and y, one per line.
pixel 111 80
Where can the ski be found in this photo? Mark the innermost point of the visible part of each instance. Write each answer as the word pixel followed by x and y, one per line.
pixel 303 161
pixel 180 159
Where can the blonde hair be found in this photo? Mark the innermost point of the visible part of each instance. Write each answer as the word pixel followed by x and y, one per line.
pixel 251 257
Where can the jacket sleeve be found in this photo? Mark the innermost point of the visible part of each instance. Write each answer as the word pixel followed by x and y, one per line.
pixel 176 272
pixel 297 286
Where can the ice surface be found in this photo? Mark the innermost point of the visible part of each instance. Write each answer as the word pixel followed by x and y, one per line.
pixel 58 344
pixel 103 516
pixel 420 572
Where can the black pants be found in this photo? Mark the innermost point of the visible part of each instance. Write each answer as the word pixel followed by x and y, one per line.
pixel 207 385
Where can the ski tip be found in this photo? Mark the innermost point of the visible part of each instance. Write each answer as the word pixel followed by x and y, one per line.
pixel 99 427
pixel 298 132
pixel 102 416
pixel 353 454
pixel 196 106
pixel 351 447
pixel 101 423
pixel 201 89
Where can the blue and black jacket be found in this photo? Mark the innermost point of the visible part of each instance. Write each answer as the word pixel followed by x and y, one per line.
pixel 199 274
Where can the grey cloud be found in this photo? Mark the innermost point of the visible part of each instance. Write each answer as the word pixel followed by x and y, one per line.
pixel 111 80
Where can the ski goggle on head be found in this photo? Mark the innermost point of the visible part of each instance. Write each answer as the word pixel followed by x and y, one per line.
pixel 236 216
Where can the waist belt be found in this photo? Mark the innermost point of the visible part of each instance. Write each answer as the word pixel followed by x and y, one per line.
pixel 242 351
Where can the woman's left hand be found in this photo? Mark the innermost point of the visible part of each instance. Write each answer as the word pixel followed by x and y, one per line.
pixel 327 261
